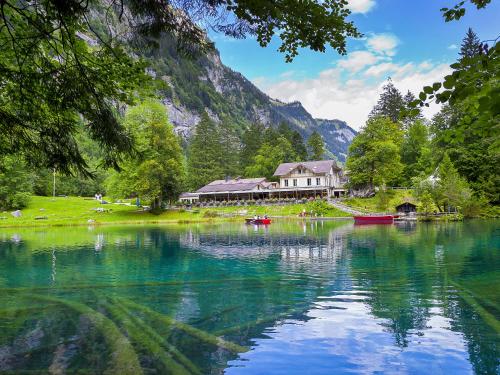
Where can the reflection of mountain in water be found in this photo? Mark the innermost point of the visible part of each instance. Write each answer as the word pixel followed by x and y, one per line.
pixel 328 293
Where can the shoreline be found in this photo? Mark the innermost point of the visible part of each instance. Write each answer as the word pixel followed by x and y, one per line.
pixel 167 222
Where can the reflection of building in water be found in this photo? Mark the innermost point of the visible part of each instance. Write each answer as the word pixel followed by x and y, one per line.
pixel 331 250
pixel 310 244
pixel 99 242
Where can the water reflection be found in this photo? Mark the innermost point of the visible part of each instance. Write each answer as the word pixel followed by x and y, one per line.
pixel 324 296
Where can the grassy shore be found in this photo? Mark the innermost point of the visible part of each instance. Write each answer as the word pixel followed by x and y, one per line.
pixel 394 197
pixel 62 211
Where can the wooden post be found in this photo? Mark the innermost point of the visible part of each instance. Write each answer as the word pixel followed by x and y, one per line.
pixel 54 184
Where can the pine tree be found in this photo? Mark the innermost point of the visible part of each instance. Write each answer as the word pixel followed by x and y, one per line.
pixel 411 114
pixel 251 141
pixel 471 45
pixel 294 137
pixel 205 154
pixel 230 147
pixel 390 103
pixel 298 145
pixel 316 146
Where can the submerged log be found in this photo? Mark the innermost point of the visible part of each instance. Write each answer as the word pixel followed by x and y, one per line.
pixel 141 337
pixel 123 357
pixel 186 328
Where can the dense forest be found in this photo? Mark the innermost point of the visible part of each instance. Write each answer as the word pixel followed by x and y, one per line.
pixel 452 160
pixel 100 127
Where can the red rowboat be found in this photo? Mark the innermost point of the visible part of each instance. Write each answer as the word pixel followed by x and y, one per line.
pixel 374 219
pixel 258 221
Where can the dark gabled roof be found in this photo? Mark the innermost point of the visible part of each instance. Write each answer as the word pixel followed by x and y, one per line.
pixel 189 195
pixel 320 166
pixel 239 184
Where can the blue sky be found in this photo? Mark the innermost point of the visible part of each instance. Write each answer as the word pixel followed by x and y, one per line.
pixel 407 40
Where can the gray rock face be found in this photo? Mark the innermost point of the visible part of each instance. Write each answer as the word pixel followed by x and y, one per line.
pixel 204 83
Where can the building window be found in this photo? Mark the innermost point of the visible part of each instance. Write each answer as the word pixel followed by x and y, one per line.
pixel 308 182
pixel 318 181
pixel 286 183
pixel 294 182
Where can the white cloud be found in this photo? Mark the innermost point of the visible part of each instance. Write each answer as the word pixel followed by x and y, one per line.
pixel 357 60
pixel 349 90
pixel 383 44
pixel 452 46
pixel 361 6
pixel 351 100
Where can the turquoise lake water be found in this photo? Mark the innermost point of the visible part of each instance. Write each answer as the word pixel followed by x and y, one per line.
pixel 291 298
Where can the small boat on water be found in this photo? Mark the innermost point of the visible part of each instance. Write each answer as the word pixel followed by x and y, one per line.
pixel 374 219
pixel 263 221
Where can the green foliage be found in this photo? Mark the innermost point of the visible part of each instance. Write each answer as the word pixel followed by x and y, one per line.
pixel 382 199
pixel 295 139
pixel 206 154
pixel 318 207
pixel 45 101
pixel 390 104
pixel 449 191
pixel 15 183
pixel 415 152
pixel 156 172
pixel 230 148
pixel 251 140
pixel 468 125
pixel 458 11
pixel 426 203
pixel 374 154
pixel 316 146
pixel 210 214
pixel 269 156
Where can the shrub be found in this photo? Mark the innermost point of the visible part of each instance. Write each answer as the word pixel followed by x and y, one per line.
pixel 318 207
pixel 20 200
pixel 210 214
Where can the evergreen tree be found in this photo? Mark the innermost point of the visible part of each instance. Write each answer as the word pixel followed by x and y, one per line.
pixel 230 147
pixel 316 146
pixel 390 104
pixel 205 154
pixel 410 114
pixel 471 45
pixel 294 137
pixel 299 146
pixel 251 141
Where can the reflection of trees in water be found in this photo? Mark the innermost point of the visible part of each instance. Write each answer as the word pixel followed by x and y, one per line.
pixel 237 281
pixel 410 271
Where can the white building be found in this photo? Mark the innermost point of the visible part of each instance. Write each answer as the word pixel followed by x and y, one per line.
pixel 324 176
pixel 296 180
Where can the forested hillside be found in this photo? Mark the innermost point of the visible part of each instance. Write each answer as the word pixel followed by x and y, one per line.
pixel 192 85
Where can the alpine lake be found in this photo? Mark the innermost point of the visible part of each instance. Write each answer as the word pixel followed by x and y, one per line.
pixel 295 297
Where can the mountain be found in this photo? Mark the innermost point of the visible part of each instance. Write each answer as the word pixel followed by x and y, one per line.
pixel 193 85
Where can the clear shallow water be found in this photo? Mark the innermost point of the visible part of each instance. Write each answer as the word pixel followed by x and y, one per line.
pixel 295 298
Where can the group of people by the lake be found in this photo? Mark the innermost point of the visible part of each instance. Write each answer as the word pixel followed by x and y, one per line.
pixel 258 217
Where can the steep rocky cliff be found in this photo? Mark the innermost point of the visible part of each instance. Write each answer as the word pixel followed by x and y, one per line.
pixel 194 85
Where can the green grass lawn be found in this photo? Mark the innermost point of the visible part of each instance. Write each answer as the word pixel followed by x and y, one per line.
pixel 78 211
pixel 395 197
